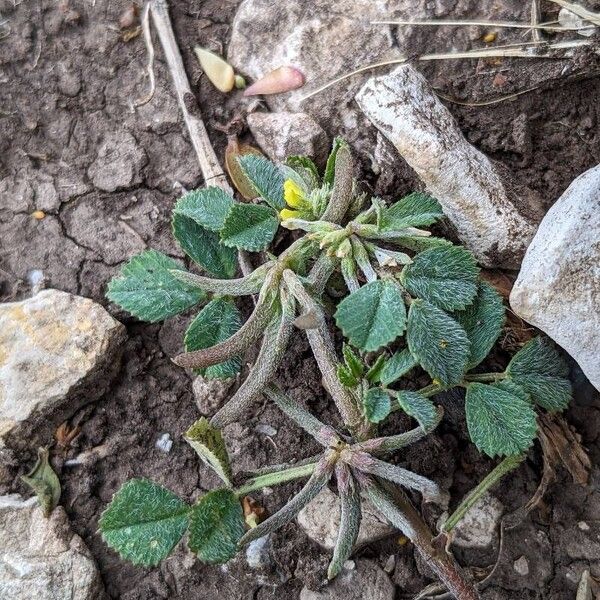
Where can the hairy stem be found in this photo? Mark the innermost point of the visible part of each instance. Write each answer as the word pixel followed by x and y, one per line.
pixel 321 272
pixel 341 195
pixel 485 377
pixel 506 466
pixel 276 478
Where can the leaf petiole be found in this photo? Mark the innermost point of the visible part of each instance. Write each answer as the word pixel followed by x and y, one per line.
pixel 276 478
pixel 485 377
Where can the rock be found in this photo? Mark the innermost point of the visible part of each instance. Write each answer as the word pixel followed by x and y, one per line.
pixel 558 288
pixel 210 394
pixel 42 558
pixel 284 134
pixel 118 164
pixel 57 352
pixel 367 580
pixel 258 553
pixel 521 566
pixel 493 219
pixel 320 520
pixel 478 528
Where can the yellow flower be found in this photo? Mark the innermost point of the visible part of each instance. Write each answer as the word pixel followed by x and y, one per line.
pixel 293 194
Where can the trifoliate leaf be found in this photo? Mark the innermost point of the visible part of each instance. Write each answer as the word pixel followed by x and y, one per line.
pixel 445 277
pixel 44 482
pixel 204 247
pixel 483 321
pixel 328 177
pixel 540 370
pixel 438 342
pixel 398 366
pixel 208 443
pixel 266 178
pixel 419 407
pixel 249 227
pixel 415 210
pixel 146 288
pixel 353 362
pixel 216 526
pixel 373 316
pixel 499 422
pixel 376 405
pixel 346 377
pixel 144 522
pixel 208 207
pixel 216 322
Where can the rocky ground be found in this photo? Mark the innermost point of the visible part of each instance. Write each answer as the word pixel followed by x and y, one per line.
pixel 86 181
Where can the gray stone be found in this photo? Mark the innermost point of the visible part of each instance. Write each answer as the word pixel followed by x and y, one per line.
pixel 493 219
pixel 521 566
pixel 42 558
pixel 258 553
pixel 118 164
pixel 284 134
pixel 366 581
pixel 57 352
pixel 210 394
pixel 320 520
pixel 558 288
pixel 479 527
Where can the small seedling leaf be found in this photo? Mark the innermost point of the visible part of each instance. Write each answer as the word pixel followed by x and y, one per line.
pixel 415 210
pixel 204 247
pixel 208 443
pixel 499 422
pixel 330 167
pixel 216 526
pixel 353 362
pixel 419 407
pixel 374 373
pixel 249 227
pixel 373 316
pixel 438 342
pixel 398 366
pixel 306 169
pixel 216 322
pixel 146 288
pixel 445 277
pixel 208 207
pixel 345 376
pixel 376 405
pixel 266 178
pixel 483 321
pixel 44 482
pixel 144 522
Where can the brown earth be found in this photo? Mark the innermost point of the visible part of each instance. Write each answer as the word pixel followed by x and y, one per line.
pixel 106 177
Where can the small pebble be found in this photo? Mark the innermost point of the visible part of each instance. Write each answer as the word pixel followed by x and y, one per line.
pixel 258 554
pixel 164 443
pixel 349 565
pixel 583 526
pixel 390 564
pixel 266 429
pixel 38 214
pixel 490 37
pixel 521 566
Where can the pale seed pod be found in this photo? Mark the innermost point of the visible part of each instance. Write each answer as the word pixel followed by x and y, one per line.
pixel 283 79
pixel 219 72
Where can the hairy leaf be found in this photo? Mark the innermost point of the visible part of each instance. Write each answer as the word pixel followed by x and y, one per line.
pixel 208 443
pixel 446 277
pixel 419 243
pixel 144 521
pixel 338 142
pixel 353 362
pixel 146 288
pixel 204 247
pixel 346 377
pixel 419 407
pixel 266 178
pixel 373 316
pixel 208 207
pixel 374 373
pixel 415 210
pixel 438 342
pixel 216 526
pixel 499 422
pixel 249 227
pixel 216 322
pixel 483 321
pixel 376 405
pixel 44 482
pixel 306 169
pixel 396 367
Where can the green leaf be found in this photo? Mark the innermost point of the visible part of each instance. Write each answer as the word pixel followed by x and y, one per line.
pixel 265 177
pixel 398 366
pixel 249 227
pixel 147 289
pixel 377 405
pixel 353 362
pixel 216 322
pixel 207 207
pixel 208 443
pixel 328 177
pixel 499 422
pixel 373 316
pixel 419 243
pixel 414 210
pixel 204 247
pixel 216 526
pixel 346 377
pixel 419 407
pixel 483 321
pixel 44 482
pixel 540 370
pixel 438 342
pixel 144 522
pixel 307 170
pixel 446 277
pixel 374 373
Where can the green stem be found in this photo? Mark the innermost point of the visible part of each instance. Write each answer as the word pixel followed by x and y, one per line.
pixel 485 377
pixel 506 466
pixel 276 478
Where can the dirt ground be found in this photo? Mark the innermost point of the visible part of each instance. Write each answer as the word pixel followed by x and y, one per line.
pixel 67 83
